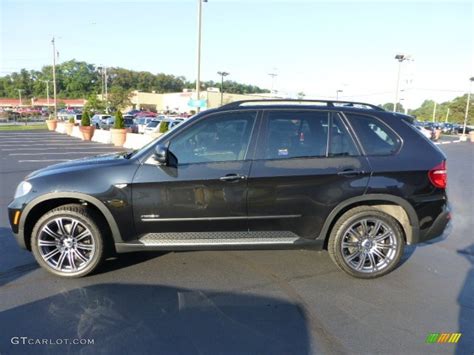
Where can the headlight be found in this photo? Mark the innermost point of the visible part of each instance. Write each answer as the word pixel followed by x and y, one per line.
pixel 23 188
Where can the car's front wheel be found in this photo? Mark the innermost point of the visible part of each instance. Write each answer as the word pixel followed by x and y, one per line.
pixel 366 242
pixel 67 242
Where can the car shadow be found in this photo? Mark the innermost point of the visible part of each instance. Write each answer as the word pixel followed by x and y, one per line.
pixel 466 307
pixel 138 318
pixel 122 261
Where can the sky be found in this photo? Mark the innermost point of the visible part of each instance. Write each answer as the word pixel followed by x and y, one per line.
pixel 315 47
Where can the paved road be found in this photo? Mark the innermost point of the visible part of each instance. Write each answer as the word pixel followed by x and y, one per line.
pixel 263 302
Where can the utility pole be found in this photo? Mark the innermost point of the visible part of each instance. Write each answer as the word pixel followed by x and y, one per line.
pixel 434 112
pixel 337 94
pixel 47 92
pixel 54 80
pixel 198 59
pixel 447 115
pixel 273 75
pixel 222 74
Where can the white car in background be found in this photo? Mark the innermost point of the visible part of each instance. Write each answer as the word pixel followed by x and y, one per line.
pixel 426 132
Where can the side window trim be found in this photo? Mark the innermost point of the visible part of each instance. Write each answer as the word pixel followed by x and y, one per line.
pixel 348 130
pixel 351 132
pixel 383 124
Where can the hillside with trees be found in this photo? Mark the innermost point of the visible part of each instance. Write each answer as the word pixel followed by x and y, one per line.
pixel 75 79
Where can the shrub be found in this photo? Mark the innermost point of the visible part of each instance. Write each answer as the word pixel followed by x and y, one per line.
pixel 119 123
pixel 85 120
pixel 164 126
pixel 71 120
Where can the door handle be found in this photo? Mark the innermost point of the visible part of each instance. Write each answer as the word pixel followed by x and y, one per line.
pixel 350 172
pixel 232 177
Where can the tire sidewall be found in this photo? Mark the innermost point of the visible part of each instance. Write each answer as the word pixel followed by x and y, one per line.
pixel 338 234
pixel 88 222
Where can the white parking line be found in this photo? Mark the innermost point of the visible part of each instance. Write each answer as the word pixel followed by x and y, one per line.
pixel 53 148
pixel 52 144
pixel 42 160
pixel 55 153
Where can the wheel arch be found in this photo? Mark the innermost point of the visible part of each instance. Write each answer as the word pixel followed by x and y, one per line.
pixel 36 208
pixel 394 206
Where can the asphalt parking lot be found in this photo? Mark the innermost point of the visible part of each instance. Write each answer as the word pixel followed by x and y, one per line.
pixel 261 302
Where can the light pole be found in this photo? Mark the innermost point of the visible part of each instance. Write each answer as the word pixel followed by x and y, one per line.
pixel 47 92
pixel 401 58
pixel 106 91
pixel 466 114
pixel 222 74
pixel 273 75
pixel 337 94
pixel 198 60
pixel 54 79
pixel 19 94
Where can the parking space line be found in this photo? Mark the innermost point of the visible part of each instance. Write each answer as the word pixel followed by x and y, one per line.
pixel 54 148
pixel 56 153
pixel 42 160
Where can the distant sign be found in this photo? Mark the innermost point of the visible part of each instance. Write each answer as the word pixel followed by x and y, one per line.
pixel 197 103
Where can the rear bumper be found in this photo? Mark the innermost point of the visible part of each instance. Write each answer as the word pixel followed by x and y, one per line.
pixel 437 228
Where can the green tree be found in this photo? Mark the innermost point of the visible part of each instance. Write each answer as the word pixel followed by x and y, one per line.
pixel 119 123
pixel 85 120
pixel 119 98
pixel 94 105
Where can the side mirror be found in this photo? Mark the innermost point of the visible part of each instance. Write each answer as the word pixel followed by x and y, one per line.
pixel 161 154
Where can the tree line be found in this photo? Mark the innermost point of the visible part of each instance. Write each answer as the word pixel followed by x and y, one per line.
pixel 453 110
pixel 76 79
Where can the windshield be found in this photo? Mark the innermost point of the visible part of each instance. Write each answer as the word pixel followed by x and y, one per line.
pixel 153 124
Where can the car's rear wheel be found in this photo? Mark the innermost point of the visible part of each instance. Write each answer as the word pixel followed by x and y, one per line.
pixel 67 242
pixel 366 242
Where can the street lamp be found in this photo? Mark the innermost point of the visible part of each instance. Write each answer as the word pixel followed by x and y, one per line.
pixel 54 79
pixel 47 92
pixel 466 114
pixel 222 74
pixel 273 75
pixel 198 74
pixel 19 94
pixel 401 58
pixel 337 94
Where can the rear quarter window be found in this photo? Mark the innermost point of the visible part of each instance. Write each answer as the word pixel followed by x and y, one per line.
pixel 375 136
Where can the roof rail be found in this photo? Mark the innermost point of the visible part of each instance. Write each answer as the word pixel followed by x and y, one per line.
pixel 329 103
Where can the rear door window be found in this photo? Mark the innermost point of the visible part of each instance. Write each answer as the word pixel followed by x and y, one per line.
pixel 293 134
pixel 376 138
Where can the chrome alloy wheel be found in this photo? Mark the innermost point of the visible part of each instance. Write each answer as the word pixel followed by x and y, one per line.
pixel 369 245
pixel 66 244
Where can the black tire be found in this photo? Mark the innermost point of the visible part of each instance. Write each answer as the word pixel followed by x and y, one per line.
pixel 393 245
pixel 87 223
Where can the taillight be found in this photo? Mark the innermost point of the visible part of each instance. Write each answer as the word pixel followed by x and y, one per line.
pixel 438 175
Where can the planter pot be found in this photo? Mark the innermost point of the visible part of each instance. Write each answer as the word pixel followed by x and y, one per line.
pixel 87 132
pixel 118 136
pixel 471 136
pixel 52 124
pixel 69 126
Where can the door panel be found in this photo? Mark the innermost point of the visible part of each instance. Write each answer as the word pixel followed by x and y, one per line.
pixel 308 163
pixel 206 188
pixel 190 198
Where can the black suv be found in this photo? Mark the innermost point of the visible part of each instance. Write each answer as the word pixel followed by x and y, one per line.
pixel 349 177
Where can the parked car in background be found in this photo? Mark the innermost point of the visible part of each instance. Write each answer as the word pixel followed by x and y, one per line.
pixel 176 122
pixel 426 132
pixel 153 126
pixel 130 124
pixel 99 120
pixel 142 122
